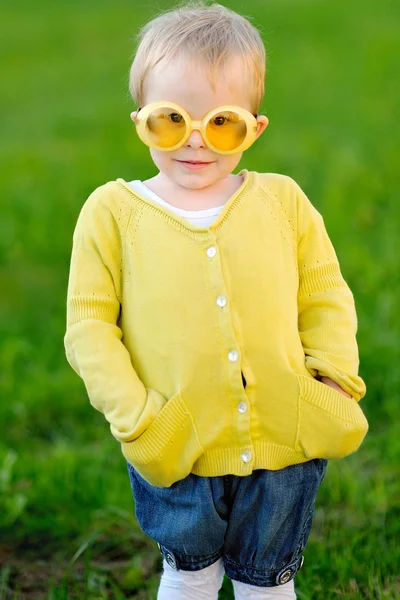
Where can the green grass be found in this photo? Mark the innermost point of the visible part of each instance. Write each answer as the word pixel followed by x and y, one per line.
pixel 67 525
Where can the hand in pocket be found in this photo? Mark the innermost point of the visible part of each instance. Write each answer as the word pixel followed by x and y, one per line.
pixel 335 386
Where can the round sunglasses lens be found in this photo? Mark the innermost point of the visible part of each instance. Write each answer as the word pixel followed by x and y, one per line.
pixel 165 127
pixel 226 130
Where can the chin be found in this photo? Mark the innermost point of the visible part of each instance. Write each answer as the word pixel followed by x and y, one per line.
pixel 193 183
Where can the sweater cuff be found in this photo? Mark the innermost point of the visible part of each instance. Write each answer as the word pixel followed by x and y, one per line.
pixel 349 382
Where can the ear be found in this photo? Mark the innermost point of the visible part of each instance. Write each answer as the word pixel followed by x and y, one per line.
pixel 262 124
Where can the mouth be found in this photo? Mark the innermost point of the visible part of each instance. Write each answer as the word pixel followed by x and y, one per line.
pixel 194 164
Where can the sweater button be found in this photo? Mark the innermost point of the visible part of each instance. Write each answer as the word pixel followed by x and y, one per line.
pixel 242 407
pixel 246 456
pixel 221 300
pixel 211 251
pixel 233 355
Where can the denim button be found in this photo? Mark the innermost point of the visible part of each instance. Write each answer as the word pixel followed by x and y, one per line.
pixel 285 576
pixel 170 560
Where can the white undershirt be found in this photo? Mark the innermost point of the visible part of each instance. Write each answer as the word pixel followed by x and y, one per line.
pixel 203 218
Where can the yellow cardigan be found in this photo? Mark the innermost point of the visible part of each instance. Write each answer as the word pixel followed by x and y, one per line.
pixel 201 346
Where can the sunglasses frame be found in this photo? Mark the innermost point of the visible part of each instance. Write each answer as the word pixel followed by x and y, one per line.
pixel 144 112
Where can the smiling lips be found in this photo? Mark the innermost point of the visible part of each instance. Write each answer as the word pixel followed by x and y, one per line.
pixel 193 164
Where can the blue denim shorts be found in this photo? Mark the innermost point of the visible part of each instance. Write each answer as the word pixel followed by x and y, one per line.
pixel 259 523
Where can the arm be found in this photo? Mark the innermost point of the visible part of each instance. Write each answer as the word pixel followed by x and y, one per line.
pixel 93 340
pixel 327 319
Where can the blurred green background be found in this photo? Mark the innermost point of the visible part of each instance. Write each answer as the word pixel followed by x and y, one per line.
pixel 67 524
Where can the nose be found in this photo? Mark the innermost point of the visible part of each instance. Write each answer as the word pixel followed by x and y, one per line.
pixel 195 140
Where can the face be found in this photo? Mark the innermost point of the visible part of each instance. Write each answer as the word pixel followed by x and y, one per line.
pixel 187 84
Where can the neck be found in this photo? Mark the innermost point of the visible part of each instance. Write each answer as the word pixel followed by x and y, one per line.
pixel 220 188
pixel 203 198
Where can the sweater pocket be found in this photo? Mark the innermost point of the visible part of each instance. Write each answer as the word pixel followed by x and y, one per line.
pixel 166 451
pixel 330 424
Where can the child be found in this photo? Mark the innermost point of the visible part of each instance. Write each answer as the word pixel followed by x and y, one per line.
pixel 209 320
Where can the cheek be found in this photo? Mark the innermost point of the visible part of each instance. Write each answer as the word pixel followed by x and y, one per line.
pixel 160 159
pixel 230 162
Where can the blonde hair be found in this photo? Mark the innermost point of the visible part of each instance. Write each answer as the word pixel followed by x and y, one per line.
pixel 212 33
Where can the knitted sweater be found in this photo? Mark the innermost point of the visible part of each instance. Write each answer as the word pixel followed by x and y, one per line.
pixel 201 345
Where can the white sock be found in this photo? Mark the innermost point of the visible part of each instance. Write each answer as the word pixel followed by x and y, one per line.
pixel 191 585
pixel 244 591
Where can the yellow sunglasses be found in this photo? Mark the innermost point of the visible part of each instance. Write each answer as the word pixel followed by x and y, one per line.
pixel 167 126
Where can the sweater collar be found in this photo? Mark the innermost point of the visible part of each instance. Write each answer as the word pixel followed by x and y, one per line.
pixel 231 204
